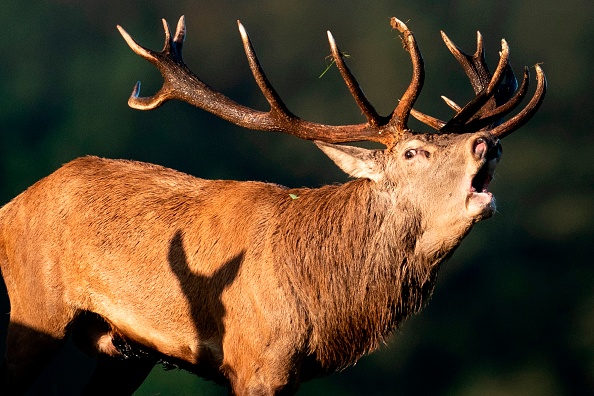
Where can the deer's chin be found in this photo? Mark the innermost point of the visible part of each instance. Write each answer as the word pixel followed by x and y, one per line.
pixel 480 205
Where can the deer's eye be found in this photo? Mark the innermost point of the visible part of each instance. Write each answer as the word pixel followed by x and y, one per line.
pixel 408 154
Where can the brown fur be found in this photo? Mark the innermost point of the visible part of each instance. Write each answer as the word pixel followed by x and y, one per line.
pixel 252 284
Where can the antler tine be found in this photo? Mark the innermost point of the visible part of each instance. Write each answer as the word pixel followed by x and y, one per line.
pixel 139 49
pixel 167 45
pixel 401 113
pixel 474 65
pixel 496 114
pixel 373 118
pixel 276 104
pixel 528 112
pixel 433 122
pixel 475 70
pixel 453 105
pixel 180 33
pixel 174 46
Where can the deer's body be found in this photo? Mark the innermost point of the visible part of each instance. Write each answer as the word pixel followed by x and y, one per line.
pixel 173 263
pixel 212 243
pixel 254 285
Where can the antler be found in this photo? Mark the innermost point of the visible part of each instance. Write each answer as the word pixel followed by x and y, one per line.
pixel 496 95
pixel 182 84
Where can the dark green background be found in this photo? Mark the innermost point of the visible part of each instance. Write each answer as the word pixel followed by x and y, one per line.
pixel 513 310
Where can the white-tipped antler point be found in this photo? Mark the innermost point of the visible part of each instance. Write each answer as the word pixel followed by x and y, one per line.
pixel 331 40
pixel 137 48
pixel 453 105
pixel 165 26
pixel 180 31
pixel 242 31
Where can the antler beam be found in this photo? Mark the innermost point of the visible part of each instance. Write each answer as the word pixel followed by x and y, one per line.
pixel 493 97
pixel 182 84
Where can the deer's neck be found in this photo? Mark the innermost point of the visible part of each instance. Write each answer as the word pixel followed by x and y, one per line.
pixel 353 259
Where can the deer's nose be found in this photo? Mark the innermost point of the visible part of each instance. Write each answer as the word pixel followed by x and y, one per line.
pixel 480 147
pixel 483 147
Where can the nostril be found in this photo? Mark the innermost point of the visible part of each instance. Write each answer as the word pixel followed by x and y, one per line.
pixel 480 147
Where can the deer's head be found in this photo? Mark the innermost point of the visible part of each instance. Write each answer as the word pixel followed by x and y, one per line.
pixel 457 161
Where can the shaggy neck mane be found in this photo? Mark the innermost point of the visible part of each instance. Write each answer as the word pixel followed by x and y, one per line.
pixel 359 272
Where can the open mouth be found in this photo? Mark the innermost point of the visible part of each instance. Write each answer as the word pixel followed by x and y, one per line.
pixel 480 182
pixel 490 157
pixel 480 200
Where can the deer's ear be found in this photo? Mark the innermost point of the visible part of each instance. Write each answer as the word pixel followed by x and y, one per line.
pixel 355 161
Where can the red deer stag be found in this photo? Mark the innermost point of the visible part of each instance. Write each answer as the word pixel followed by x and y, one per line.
pixel 256 286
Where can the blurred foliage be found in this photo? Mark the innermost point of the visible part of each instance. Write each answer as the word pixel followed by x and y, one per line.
pixel 513 311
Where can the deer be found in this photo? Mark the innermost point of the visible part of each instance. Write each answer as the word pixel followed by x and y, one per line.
pixel 253 285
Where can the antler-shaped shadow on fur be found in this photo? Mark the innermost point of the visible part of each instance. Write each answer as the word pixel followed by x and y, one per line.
pixel 204 298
